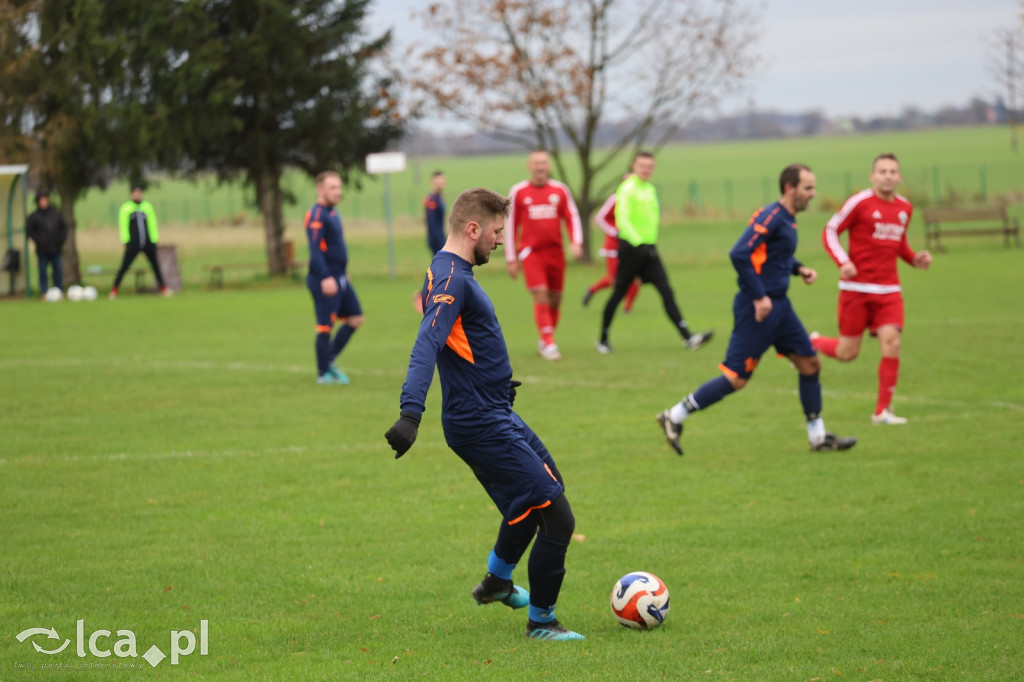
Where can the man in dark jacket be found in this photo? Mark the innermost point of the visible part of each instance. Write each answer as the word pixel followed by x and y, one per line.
pixel 46 227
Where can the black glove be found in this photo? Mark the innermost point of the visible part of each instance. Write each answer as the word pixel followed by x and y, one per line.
pixel 512 391
pixel 402 434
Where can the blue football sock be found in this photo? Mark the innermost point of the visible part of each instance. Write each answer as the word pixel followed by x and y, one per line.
pixel 499 568
pixel 539 615
pixel 323 350
pixel 711 392
pixel 340 340
pixel 810 395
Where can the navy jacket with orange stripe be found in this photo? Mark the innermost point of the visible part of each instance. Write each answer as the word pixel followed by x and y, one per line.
pixel 763 255
pixel 460 334
pixel 328 255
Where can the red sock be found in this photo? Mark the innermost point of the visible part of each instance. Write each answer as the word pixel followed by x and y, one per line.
pixel 826 345
pixel 542 316
pixel 888 371
pixel 631 293
pixel 602 283
pixel 556 313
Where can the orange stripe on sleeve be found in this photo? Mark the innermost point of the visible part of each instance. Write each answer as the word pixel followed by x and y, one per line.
pixel 458 342
pixel 758 257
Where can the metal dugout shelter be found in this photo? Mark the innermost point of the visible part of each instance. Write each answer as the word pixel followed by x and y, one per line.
pixel 14 210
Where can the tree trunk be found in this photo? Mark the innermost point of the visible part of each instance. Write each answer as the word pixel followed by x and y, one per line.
pixel 70 265
pixel 271 201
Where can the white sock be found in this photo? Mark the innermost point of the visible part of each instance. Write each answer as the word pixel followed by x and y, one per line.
pixel 816 431
pixel 678 413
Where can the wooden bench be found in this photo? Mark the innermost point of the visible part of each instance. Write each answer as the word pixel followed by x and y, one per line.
pixel 217 270
pixel 936 219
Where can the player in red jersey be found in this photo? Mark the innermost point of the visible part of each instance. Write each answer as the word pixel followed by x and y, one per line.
pixel 539 207
pixel 869 284
pixel 605 219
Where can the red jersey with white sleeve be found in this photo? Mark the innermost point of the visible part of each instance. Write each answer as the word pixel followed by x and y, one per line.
pixel 878 235
pixel 605 219
pixel 535 218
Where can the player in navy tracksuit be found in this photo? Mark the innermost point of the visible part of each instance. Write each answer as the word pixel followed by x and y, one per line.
pixel 333 296
pixel 460 334
pixel 433 212
pixel 763 315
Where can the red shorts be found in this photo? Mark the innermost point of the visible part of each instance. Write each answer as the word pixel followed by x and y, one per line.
pixel 859 311
pixel 544 269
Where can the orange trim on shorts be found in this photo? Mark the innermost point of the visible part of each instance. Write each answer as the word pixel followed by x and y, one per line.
pixel 323 329
pixel 727 371
pixel 528 512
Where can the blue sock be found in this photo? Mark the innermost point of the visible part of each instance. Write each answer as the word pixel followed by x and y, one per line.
pixel 340 339
pixel 810 395
pixel 711 392
pixel 323 350
pixel 499 568
pixel 539 615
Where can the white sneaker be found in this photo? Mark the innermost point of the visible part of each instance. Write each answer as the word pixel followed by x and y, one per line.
pixel 550 352
pixel 697 340
pixel 603 348
pixel 887 417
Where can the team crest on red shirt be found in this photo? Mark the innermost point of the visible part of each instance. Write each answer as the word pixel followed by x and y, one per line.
pixel 553 199
pixel 903 217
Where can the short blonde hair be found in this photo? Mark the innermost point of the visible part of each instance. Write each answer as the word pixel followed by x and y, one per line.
pixel 326 174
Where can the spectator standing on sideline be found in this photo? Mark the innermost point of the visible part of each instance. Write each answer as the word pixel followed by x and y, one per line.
pixel 763 315
pixel 46 227
pixel 460 334
pixel 637 215
pixel 433 207
pixel 334 299
pixel 539 207
pixel 869 283
pixel 137 223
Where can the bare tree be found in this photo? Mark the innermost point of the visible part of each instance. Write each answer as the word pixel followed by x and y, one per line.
pixel 554 74
pixel 1007 66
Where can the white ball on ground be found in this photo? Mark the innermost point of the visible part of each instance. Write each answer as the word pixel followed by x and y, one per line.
pixel 53 294
pixel 75 293
pixel 89 293
pixel 640 600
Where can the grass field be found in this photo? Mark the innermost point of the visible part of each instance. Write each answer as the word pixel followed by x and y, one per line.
pixel 955 165
pixel 169 461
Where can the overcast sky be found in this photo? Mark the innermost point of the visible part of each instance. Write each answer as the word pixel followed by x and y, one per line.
pixel 863 58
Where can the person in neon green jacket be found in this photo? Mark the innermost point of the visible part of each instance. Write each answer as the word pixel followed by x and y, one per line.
pixel 138 225
pixel 637 214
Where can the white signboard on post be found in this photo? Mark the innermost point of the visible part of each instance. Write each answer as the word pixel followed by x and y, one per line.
pixel 386 163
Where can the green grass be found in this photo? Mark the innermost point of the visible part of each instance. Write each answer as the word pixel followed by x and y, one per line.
pixel 952 165
pixel 166 461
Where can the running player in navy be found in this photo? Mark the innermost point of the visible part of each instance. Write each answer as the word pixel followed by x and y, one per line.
pixel 763 315
pixel 333 296
pixel 461 335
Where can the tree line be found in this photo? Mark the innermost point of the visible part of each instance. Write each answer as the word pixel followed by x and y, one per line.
pixel 97 90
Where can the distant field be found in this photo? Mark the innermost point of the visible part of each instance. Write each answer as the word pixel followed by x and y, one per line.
pixel 710 181
pixel 169 461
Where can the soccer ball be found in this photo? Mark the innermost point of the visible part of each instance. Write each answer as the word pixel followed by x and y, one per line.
pixel 89 293
pixel 53 294
pixel 75 293
pixel 640 600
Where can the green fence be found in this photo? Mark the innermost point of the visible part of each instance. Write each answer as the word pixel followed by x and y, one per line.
pixel 179 201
